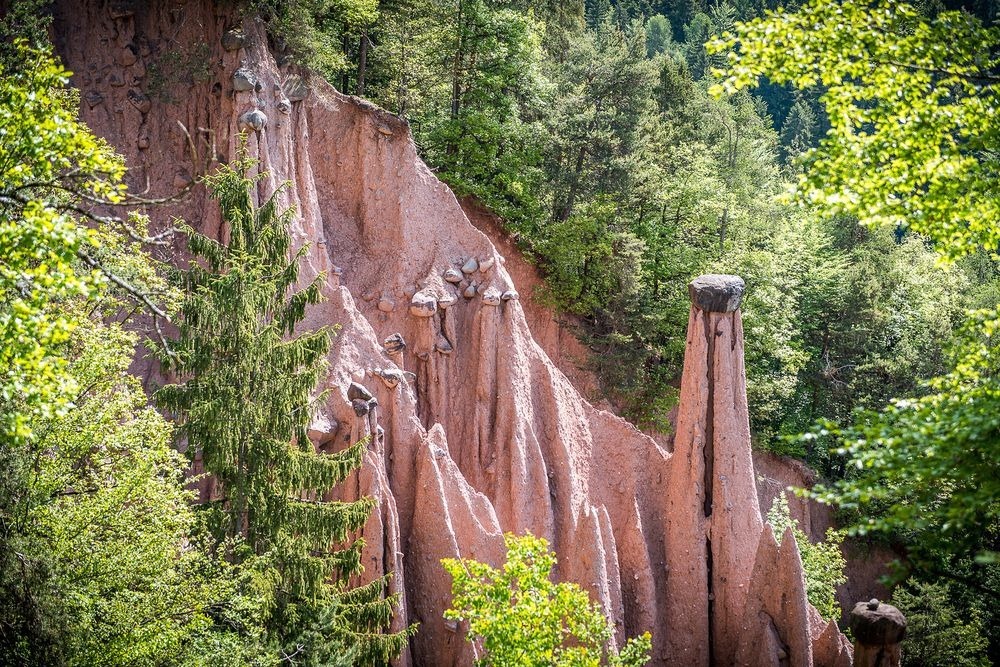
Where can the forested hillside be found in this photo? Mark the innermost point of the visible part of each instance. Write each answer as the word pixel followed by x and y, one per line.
pixel 589 128
pixel 599 132
pixel 195 467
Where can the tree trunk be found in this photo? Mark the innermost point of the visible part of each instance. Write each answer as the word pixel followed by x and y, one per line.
pixel 456 68
pixel 571 197
pixel 402 93
pixel 458 63
pixel 723 225
pixel 362 62
pixel 345 79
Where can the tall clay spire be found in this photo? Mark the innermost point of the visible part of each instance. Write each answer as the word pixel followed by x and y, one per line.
pixel 727 604
pixel 714 522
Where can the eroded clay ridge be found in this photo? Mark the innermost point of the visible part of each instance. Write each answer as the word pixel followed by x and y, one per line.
pixel 476 431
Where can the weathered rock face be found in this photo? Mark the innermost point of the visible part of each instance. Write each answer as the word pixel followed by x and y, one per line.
pixel 553 332
pixel 474 430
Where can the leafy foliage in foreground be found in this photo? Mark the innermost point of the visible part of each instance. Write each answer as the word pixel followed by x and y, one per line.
pixel 98 563
pixel 521 618
pixel 109 519
pixel 46 157
pixel 56 486
pixel 914 108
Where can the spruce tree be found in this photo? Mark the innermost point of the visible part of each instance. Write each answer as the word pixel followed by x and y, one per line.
pixel 798 131
pixel 244 397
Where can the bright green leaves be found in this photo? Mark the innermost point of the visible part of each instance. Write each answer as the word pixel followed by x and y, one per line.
pixel 927 467
pixel 48 161
pixel 42 144
pixel 914 109
pixel 109 516
pixel 95 567
pixel 522 619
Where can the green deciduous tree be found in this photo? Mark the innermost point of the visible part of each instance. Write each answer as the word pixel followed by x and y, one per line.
pixel 98 565
pixel 912 103
pixel 841 318
pixel 108 518
pixel 48 160
pixel 914 107
pixel 244 401
pixel 88 483
pixel 522 619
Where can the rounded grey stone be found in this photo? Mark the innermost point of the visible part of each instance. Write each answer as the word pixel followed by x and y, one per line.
pixel 139 100
pixel 882 626
pixel 361 407
pixel 423 304
pixel 394 343
pixel 296 89
pixel 254 120
pixel 390 376
pixel 244 79
pixel 93 98
pixel 357 391
pixel 717 293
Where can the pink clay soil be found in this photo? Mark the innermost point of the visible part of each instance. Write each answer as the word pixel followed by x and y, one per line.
pixel 489 434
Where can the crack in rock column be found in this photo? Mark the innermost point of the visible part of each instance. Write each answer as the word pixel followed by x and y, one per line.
pixel 714 522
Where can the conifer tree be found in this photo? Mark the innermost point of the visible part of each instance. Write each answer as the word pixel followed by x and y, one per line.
pixel 799 130
pixel 244 400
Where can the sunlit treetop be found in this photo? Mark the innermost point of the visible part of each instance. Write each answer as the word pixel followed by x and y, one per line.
pixel 914 109
pixel 51 169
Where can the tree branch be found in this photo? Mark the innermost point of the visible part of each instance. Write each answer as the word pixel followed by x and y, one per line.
pixel 990 78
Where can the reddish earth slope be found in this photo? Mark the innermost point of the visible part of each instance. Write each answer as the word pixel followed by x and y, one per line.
pixel 487 434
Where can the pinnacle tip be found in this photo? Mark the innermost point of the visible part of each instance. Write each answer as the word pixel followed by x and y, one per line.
pixel 716 293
